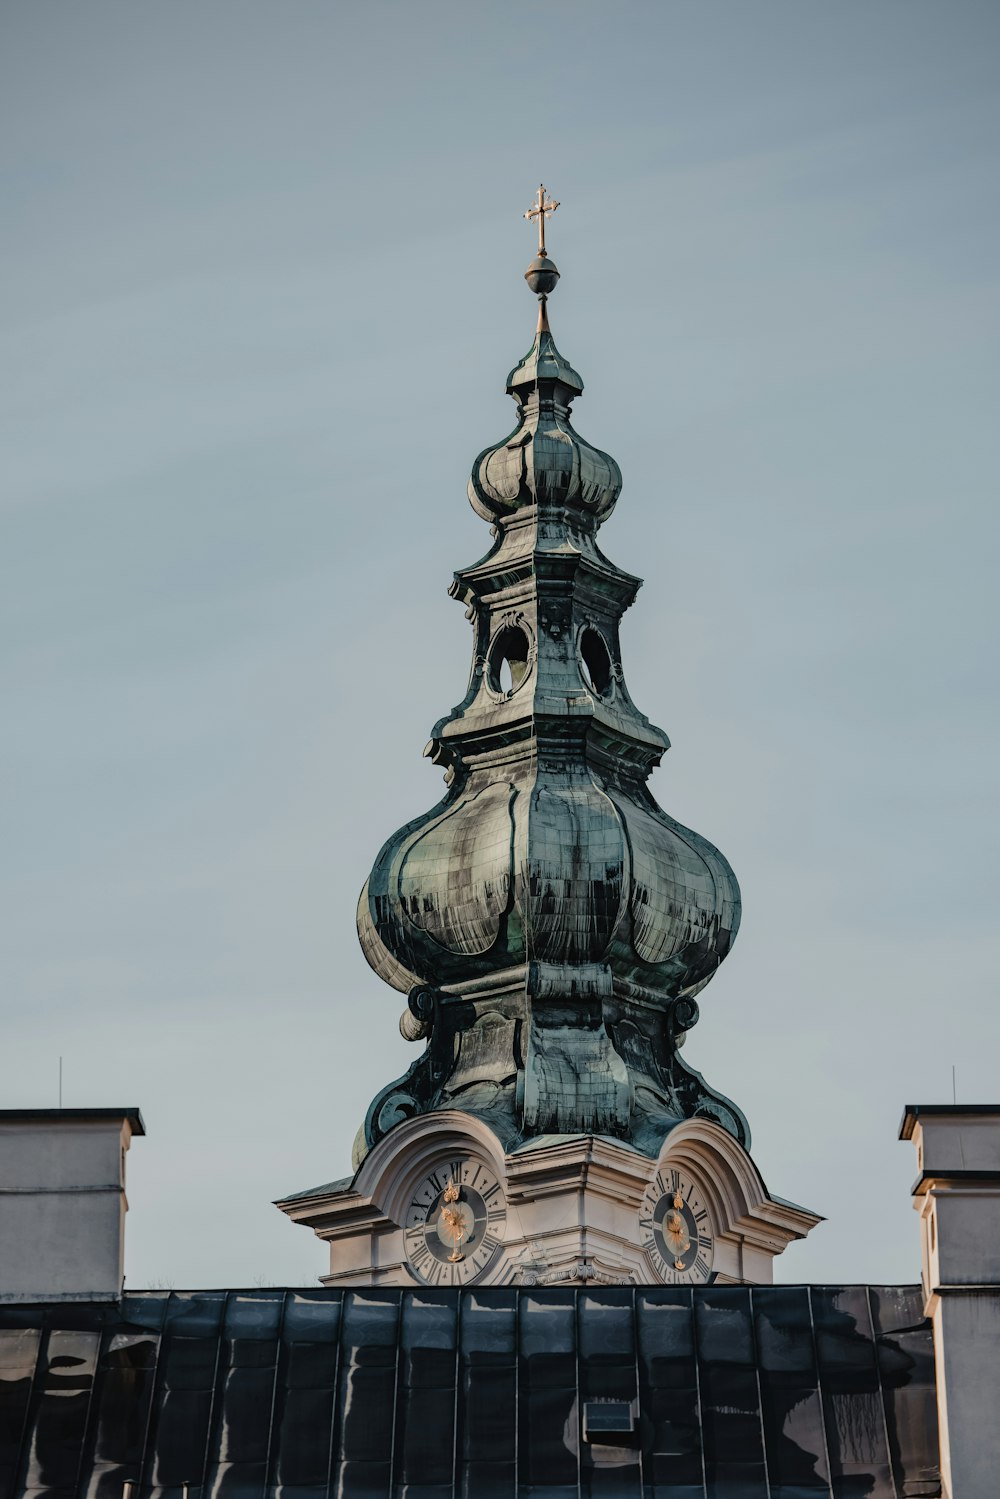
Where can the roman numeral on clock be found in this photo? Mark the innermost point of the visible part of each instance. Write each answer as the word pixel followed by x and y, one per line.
pixel 418 1254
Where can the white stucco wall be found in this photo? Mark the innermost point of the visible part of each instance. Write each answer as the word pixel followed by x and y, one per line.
pixel 967 1359
pixel 62 1203
pixel 957 1194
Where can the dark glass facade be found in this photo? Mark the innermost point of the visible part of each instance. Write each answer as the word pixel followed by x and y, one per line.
pixel 734 1392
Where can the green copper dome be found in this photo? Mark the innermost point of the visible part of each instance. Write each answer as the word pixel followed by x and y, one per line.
pixel 544 461
pixel 548 921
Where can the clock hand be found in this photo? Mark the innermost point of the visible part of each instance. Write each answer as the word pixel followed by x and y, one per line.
pixel 677 1231
pixel 455 1224
pixel 454 1221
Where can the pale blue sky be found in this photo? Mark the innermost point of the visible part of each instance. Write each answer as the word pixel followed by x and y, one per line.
pixel 261 285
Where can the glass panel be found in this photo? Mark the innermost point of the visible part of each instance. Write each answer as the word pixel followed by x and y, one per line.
pixel 18 1354
pixel 487 1439
pixel 488 1325
pixel 361 1480
pixel 730 1396
pixel 302 1436
pixel 241 1419
pixel 305 1406
pixel 195 1314
pixel 145 1309
pixel 122 1395
pixel 606 1325
pixel 791 1409
pixel 905 1354
pixel 606 1331
pixel 189 1358
pixel 252 1318
pixel 549 1491
pixel 425 1403
pixel 487 1481
pixel 548 1417
pixel 59 1417
pixel 668 1490
pixel 366 1394
pixel 242 1423
pixel 668 1384
pixel 852 1401
pixel 312 1316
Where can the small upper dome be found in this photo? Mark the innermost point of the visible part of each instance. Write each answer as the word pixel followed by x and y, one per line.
pixel 543 361
pixel 544 461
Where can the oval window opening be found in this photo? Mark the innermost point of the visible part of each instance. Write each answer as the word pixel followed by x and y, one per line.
pixel 596 661
pixel 508 662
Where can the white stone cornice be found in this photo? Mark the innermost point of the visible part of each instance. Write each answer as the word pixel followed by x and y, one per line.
pixel 573 1204
pixel 587 1163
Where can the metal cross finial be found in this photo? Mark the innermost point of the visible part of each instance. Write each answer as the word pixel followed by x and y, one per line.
pixel 542 209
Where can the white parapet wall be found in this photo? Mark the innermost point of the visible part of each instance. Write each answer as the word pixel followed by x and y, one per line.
pixel 957 1194
pixel 63 1203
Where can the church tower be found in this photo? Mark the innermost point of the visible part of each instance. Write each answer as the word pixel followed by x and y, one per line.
pixel 551 928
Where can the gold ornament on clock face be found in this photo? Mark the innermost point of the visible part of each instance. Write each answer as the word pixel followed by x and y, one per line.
pixel 676 1229
pixel 454 1223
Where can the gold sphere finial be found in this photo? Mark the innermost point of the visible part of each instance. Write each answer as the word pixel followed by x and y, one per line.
pixel 541 274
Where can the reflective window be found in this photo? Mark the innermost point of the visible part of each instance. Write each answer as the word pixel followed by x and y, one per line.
pixel 788 1392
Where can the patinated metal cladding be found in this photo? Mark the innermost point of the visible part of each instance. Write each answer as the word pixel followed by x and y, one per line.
pixel 549 921
pixel 544 461
pixel 790 1391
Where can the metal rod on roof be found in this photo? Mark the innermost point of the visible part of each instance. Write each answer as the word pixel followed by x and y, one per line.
pixel 60 1082
pixel 954 1091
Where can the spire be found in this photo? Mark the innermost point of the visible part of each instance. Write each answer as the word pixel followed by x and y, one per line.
pixel 541 274
pixel 549 923
pixel 544 461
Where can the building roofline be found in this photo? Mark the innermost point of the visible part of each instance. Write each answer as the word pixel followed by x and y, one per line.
pixel 914 1111
pixel 74 1116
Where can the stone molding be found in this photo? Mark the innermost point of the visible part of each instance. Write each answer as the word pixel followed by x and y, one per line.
pixel 572 1205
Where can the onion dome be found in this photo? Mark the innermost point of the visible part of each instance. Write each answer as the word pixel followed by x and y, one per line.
pixel 548 870
pixel 544 461
pixel 548 921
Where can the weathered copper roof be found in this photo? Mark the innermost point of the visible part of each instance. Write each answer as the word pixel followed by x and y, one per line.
pixel 791 1392
pixel 549 923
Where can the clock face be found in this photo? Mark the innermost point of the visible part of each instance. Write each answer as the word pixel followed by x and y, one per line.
pixel 454 1223
pixel 676 1229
